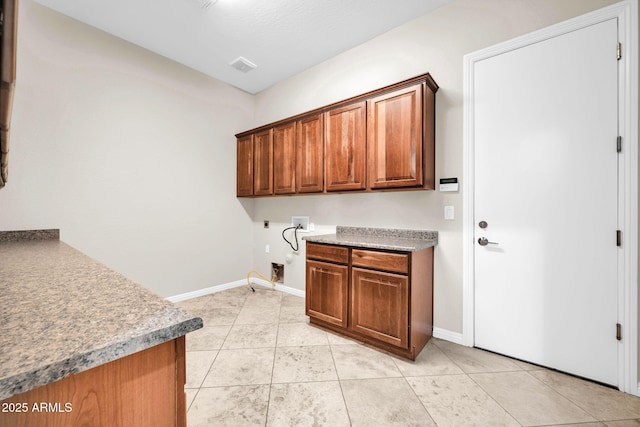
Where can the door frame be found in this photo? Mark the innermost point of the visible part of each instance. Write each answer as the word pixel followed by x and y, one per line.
pixel 627 13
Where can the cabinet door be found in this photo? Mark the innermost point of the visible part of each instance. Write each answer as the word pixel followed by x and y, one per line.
pixel 263 163
pixel 309 155
pixel 284 158
pixel 326 292
pixel 395 138
pixel 345 148
pixel 244 181
pixel 380 306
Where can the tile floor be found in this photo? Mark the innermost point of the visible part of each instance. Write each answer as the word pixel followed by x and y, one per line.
pixel 257 361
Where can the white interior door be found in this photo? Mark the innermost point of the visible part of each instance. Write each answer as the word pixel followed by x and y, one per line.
pixel 546 171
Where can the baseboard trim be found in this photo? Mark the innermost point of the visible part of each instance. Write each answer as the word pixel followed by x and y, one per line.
pixel 235 284
pixel 206 291
pixel 444 334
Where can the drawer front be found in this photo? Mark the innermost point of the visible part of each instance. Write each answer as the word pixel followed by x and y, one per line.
pixel 377 260
pixel 339 254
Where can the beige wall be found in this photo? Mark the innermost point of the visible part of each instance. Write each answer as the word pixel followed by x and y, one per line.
pixel 434 43
pixel 129 154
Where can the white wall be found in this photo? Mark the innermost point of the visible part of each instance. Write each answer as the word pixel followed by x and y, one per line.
pixel 434 43
pixel 129 154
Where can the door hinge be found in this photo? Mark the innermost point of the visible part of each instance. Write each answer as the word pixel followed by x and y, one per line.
pixel 619 144
pixel 618 238
pixel 618 331
pixel 619 51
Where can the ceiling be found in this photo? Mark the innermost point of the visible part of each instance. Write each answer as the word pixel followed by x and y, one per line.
pixel 281 37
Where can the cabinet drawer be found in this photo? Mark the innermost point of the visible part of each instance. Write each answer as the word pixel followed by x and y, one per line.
pixel 377 260
pixel 333 253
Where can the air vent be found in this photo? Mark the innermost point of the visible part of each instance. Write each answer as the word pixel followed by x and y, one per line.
pixel 206 4
pixel 242 64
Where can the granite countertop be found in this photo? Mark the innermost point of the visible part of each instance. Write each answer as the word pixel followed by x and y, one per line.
pixel 379 238
pixel 61 312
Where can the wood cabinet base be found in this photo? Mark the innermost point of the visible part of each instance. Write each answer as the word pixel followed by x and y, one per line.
pixel 410 353
pixel 380 297
pixel 142 389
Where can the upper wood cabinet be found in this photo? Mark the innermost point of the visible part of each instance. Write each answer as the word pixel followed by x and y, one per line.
pixel 394 138
pixel 284 158
pixel 244 166
pixel 381 140
pixel 263 163
pixel 345 147
pixel 309 155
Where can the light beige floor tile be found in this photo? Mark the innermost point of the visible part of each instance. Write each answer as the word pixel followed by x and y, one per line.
pixel 229 407
pixel 190 395
pixel 430 361
pixel 196 304
pixel 300 334
pixel 456 400
pixel 357 361
pixel 241 367
pixel 293 300
pixel 530 401
pixel 580 425
pixel 218 316
pixel 292 314
pixel 383 402
pixel 308 363
pixel 336 339
pixel 197 365
pixel 307 404
pixel 263 297
pixel 601 402
pixel 252 315
pixel 208 338
pixel 472 360
pixel 251 336
pixel 228 299
pixel 623 423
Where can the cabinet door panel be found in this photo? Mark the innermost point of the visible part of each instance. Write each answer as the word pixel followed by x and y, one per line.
pixel 326 292
pixel 309 155
pixel 263 163
pixel 395 138
pixel 345 148
pixel 379 306
pixel 244 182
pixel 284 158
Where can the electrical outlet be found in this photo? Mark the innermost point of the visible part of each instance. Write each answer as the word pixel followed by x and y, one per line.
pixel 302 221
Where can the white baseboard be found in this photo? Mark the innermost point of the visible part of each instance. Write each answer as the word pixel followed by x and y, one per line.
pixel 235 284
pixel 444 334
pixel 207 291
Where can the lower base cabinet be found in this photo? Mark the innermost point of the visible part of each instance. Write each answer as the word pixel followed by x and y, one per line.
pixel 143 389
pixel 383 298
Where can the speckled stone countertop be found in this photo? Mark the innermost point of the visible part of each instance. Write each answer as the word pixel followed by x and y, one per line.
pixel 379 238
pixel 62 312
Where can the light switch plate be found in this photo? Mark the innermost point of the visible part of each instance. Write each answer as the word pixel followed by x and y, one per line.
pixel 449 212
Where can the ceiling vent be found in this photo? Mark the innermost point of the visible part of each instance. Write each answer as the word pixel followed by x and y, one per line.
pixel 206 4
pixel 242 64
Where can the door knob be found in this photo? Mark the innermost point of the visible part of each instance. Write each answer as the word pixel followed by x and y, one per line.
pixel 483 241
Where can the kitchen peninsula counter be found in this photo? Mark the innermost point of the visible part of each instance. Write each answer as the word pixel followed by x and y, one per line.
pixel 62 313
